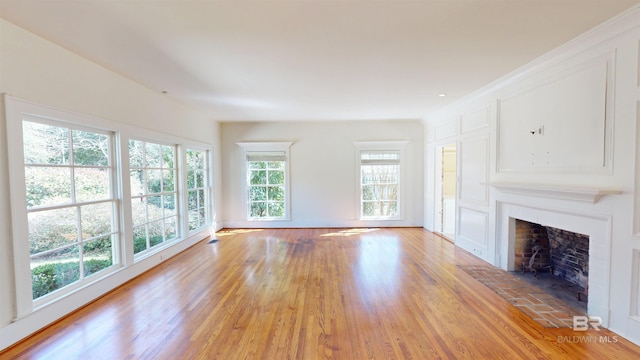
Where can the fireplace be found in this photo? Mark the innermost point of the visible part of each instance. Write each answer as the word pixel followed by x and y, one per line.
pixel 557 255
pixel 583 238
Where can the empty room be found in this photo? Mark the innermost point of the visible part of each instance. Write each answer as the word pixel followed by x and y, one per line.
pixel 306 179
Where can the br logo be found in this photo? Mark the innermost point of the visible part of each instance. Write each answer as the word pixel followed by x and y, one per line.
pixel 582 322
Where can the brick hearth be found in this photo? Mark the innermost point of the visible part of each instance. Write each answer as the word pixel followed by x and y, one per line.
pixel 542 307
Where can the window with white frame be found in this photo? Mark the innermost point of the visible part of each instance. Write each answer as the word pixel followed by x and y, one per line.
pixel 153 194
pixel 71 224
pixel 380 176
pixel 198 188
pixel 267 185
pixel 70 202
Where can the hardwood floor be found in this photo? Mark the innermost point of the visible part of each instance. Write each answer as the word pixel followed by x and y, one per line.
pixel 311 294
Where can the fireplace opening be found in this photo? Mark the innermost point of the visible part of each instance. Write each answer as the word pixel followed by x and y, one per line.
pixel 554 260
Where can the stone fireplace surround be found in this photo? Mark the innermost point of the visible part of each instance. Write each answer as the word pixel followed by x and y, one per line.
pixel 598 228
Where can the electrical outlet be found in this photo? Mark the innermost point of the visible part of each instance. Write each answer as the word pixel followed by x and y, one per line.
pixel 537 131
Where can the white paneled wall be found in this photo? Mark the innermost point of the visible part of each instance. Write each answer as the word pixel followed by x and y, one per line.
pixel 472 232
pixel 561 124
pixel 565 125
pixel 474 170
pixel 475 119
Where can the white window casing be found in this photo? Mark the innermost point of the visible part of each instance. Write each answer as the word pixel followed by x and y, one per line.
pixel 262 194
pixel 119 194
pixel 380 168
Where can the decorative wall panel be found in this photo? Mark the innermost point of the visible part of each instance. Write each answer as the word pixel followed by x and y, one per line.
pixel 446 129
pixel 635 288
pixel 473 227
pixel 561 126
pixel 474 170
pixel 475 120
pixel 636 200
pixel 638 60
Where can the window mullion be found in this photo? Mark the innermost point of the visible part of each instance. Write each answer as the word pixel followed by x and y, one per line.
pixel 80 242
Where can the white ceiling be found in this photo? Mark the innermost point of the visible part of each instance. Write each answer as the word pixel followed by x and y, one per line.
pixel 312 59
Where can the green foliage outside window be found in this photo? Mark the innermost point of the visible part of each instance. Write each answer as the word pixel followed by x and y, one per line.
pixel 153 205
pixel 197 188
pixel 69 204
pixel 266 189
pixel 53 276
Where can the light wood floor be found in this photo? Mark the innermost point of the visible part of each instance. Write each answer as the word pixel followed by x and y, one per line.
pixel 311 294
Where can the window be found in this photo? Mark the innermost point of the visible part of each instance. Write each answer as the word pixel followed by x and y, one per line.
pixel 70 203
pixel 380 175
pixel 267 187
pixel 198 188
pixel 71 224
pixel 153 194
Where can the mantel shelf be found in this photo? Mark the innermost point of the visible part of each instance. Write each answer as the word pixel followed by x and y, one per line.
pixel 589 195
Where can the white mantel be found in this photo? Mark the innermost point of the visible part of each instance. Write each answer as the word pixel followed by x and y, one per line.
pixel 589 195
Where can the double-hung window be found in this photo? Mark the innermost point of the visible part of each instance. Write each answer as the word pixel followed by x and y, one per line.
pixel 70 203
pixel 267 185
pixel 198 188
pixel 71 222
pixel 380 176
pixel 153 194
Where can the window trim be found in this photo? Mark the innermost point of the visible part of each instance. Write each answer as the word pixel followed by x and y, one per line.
pixel 180 233
pixel 395 146
pixel 209 206
pixel 248 147
pixel 16 111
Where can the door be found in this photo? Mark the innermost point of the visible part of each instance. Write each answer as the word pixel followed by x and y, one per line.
pixel 448 191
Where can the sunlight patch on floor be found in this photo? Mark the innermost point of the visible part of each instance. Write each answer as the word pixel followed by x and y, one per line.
pixel 235 232
pixel 350 232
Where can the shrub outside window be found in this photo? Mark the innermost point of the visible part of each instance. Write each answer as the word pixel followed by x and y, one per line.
pixel 70 203
pixel 71 225
pixel 198 188
pixel 153 194
pixel 267 185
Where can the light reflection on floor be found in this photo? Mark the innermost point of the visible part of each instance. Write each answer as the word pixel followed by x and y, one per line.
pixel 350 232
pixel 376 274
pixel 230 232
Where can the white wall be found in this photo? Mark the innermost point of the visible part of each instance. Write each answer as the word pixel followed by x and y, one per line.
pixel 38 71
pixel 586 97
pixel 323 170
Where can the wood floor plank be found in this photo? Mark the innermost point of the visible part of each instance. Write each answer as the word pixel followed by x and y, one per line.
pixel 312 294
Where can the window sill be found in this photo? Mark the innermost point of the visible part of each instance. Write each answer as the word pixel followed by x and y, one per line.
pixel 381 219
pixel 268 219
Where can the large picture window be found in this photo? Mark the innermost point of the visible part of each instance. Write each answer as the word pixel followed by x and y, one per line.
pixel 153 194
pixel 70 203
